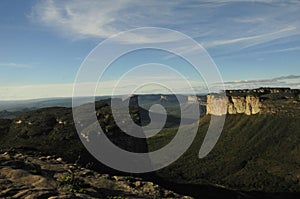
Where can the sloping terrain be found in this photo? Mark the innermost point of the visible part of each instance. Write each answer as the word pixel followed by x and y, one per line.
pixel 254 153
pixel 257 156
pixel 52 131
pixel 28 174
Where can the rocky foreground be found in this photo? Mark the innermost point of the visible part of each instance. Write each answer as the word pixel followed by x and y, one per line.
pixel 27 174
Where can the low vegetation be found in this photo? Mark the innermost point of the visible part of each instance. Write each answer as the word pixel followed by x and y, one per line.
pixel 258 152
pixel 254 153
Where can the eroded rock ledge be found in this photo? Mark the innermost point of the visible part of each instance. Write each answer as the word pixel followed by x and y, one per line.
pixel 251 102
pixel 27 174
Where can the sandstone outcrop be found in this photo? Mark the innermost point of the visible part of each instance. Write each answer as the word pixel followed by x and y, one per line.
pixel 216 104
pixel 28 174
pixel 248 105
pixel 251 102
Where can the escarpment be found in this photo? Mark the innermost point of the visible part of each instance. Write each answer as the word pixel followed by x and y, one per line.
pixel 250 105
pixel 256 101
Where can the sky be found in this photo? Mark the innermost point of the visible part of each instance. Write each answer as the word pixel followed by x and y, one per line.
pixel 253 43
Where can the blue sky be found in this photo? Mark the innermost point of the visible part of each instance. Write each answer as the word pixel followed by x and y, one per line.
pixel 43 43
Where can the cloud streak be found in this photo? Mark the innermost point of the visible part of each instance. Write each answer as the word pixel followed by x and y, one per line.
pixel 254 23
pixel 15 65
pixel 93 19
pixel 256 39
pixel 292 81
pixel 264 80
pixel 282 50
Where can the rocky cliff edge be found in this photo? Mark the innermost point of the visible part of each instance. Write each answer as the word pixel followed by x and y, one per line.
pixel 255 101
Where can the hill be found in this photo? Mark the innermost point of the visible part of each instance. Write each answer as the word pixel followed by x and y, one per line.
pixel 256 152
pixel 52 131
pixel 28 105
pixel 257 155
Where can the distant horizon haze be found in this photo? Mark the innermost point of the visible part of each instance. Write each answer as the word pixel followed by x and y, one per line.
pixel 44 43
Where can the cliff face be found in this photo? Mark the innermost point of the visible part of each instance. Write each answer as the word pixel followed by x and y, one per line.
pixel 248 105
pixel 216 105
pixel 251 102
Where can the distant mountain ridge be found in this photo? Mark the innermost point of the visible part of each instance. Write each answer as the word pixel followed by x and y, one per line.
pixel 33 104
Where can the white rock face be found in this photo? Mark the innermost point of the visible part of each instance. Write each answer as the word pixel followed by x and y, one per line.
pixel 239 104
pixel 216 105
pixel 248 105
pixel 253 105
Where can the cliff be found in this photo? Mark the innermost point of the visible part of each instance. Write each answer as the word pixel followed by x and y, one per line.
pixel 256 101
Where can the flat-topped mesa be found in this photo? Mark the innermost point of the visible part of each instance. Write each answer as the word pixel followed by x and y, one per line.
pixel 249 102
pixel 262 91
pixel 259 90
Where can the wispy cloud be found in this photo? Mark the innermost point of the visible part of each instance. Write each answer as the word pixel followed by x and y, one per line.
pixel 79 18
pixel 15 65
pixel 254 40
pixel 215 24
pixel 94 19
pixel 292 81
pixel 287 77
pixel 255 1
pixel 264 80
pixel 281 50
pixel 102 19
